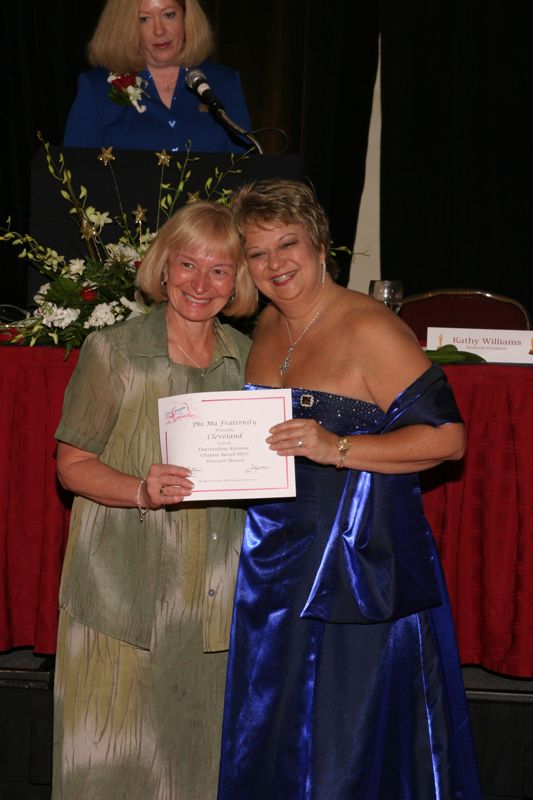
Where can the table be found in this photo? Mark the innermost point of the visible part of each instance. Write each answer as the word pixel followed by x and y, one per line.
pixel 481 512
pixel 481 509
pixel 34 510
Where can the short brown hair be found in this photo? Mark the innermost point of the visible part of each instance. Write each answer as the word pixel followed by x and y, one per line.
pixel 115 42
pixel 281 201
pixel 199 224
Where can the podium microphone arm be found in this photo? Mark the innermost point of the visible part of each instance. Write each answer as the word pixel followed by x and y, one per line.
pixel 197 82
pixel 238 129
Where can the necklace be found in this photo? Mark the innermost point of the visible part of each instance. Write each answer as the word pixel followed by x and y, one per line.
pixel 203 370
pixel 162 86
pixel 285 364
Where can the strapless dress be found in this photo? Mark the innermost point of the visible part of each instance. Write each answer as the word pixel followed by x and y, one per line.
pixel 335 690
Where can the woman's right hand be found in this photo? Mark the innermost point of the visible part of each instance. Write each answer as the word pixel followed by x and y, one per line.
pixel 82 472
pixel 165 485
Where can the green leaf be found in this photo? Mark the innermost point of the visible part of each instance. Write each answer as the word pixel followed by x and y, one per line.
pixel 449 354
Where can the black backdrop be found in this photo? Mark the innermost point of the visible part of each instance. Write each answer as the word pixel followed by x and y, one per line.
pixel 457 120
pixel 457 178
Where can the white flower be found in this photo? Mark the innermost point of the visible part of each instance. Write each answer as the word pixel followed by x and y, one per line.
pixel 135 308
pixel 145 240
pixel 98 218
pixel 41 294
pixel 123 252
pixel 76 266
pixel 105 314
pixel 135 94
pixel 52 258
pixel 56 317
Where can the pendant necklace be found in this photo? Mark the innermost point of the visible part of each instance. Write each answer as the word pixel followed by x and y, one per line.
pixel 167 87
pixel 171 85
pixel 203 370
pixel 285 364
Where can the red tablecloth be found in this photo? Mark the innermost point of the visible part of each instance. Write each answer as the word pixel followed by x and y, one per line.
pixel 481 513
pixel 33 509
pixel 481 510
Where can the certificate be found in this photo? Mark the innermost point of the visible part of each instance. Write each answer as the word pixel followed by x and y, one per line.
pixel 220 437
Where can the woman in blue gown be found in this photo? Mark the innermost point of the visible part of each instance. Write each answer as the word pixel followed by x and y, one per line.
pixel 344 681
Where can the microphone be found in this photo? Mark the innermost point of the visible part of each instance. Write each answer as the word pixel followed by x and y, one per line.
pixel 197 83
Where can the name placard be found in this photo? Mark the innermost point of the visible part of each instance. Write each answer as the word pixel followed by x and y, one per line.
pixel 496 346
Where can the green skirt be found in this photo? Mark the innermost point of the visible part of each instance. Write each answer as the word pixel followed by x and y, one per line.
pixel 138 724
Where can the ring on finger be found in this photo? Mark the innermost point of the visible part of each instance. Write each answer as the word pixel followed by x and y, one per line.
pixel 299 442
pixel 162 490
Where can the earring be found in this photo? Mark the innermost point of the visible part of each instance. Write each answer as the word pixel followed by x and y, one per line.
pixel 323 272
pixel 163 283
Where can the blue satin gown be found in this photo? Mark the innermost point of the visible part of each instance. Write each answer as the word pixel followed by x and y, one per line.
pixel 343 678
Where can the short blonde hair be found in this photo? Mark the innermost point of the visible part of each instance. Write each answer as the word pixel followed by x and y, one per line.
pixel 115 43
pixel 201 224
pixel 276 200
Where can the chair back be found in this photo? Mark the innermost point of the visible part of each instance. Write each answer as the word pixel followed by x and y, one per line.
pixel 462 308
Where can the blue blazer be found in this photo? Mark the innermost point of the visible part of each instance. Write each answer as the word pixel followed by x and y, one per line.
pixel 97 121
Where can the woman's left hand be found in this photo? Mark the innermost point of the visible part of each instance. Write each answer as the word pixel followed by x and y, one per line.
pixel 304 437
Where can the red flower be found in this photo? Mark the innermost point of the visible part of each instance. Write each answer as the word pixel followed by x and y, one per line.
pixel 137 264
pixel 8 335
pixel 123 81
pixel 88 294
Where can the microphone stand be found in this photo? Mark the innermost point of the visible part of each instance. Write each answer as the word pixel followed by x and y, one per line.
pixel 238 129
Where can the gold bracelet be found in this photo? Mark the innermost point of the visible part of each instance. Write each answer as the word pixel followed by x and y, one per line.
pixel 343 445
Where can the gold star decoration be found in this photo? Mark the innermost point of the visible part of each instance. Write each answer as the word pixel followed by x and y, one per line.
pixel 106 155
pixel 163 159
pixel 140 214
pixel 88 230
pixel 192 197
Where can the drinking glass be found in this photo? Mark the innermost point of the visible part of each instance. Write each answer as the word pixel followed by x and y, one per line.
pixel 388 292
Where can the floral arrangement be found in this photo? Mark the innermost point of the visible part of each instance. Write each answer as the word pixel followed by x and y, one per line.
pixel 84 294
pixel 127 89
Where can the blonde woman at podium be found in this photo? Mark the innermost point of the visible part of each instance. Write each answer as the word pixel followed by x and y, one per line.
pixel 136 95
pixel 147 584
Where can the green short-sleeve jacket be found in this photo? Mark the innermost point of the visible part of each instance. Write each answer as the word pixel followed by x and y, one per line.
pixel 111 568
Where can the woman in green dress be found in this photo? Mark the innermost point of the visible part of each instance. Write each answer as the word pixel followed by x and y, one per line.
pixel 148 580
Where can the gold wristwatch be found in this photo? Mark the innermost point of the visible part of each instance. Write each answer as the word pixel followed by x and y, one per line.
pixel 343 445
